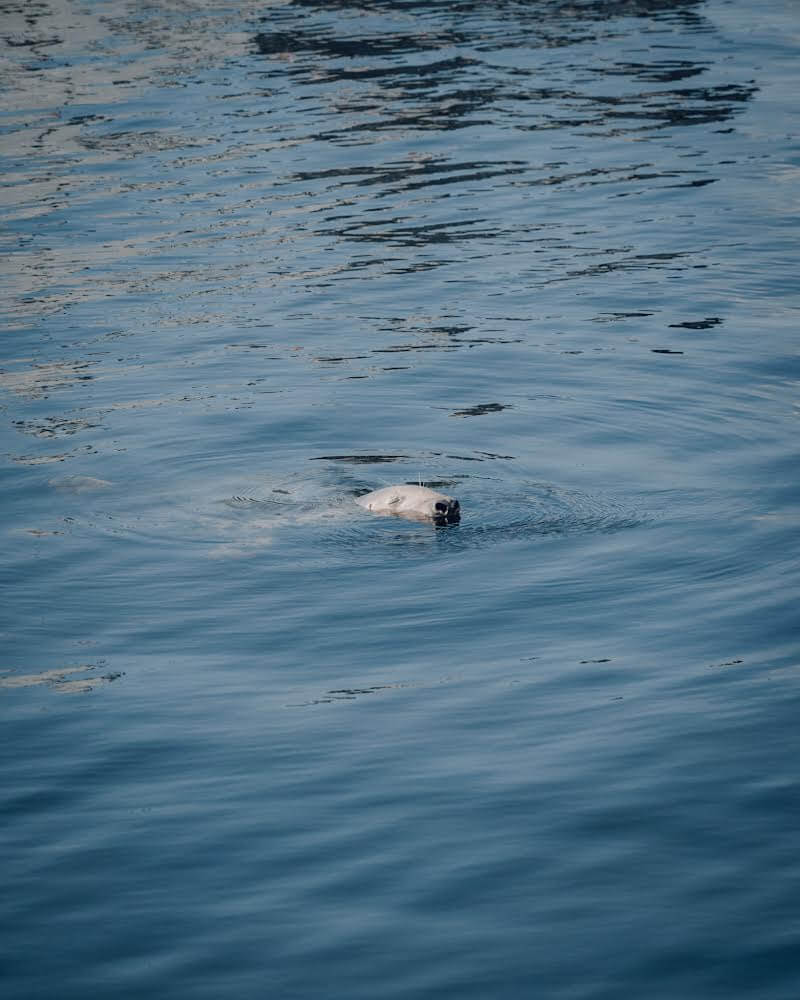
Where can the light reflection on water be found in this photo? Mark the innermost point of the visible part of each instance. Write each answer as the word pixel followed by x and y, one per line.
pixel 261 258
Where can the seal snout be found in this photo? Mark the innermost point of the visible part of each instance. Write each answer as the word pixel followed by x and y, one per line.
pixel 447 512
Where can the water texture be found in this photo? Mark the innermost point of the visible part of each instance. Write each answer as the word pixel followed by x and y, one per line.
pixel 262 257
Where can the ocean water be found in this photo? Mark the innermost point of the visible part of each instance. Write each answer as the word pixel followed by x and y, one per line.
pixel 261 257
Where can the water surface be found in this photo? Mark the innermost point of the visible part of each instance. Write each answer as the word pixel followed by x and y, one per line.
pixel 262 257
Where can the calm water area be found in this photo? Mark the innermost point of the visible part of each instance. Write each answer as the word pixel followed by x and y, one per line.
pixel 259 258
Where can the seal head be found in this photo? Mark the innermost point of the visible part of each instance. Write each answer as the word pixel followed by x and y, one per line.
pixel 416 502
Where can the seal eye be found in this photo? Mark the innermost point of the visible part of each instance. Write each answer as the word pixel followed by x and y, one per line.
pixel 441 507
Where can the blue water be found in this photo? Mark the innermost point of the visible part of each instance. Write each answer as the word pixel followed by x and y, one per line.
pixel 262 257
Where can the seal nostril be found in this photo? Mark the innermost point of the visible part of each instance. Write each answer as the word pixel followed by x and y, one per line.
pixel 441 507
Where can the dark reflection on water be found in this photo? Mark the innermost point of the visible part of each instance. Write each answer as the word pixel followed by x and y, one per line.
pixel 360 459
pixel 455 92
pixel 262 258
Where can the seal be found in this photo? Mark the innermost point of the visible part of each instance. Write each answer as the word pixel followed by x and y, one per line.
pixel 416 502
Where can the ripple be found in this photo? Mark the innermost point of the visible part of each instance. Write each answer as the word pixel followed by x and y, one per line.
pixel 79 679
pixel 316 520
pixel 540 510
pixel 79 484
pixel 333 529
